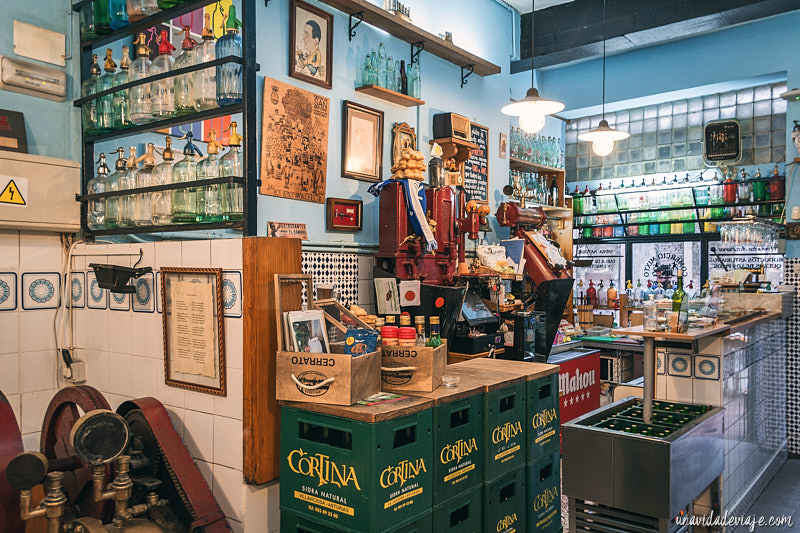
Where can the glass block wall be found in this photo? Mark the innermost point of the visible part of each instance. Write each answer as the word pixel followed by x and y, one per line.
pixel 668 137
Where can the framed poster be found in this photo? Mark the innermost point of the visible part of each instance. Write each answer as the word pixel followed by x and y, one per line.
pixel 362 142
pixel 194 329
pixel 344 214
pixel 503 145
pixel 310 44
pixel 476 168
pixel 403 136
pixel 294 142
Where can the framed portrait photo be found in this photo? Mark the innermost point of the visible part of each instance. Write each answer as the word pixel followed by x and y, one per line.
pixel 362 142
pixel 344 214
pixel 308 331
pixel 310 44
pixel 403 136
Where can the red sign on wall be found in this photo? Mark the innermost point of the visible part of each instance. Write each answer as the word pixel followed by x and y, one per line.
pixel 579 386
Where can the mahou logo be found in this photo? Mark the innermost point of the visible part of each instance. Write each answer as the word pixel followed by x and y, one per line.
pixel 405 470
pixel 506 432
pixel 320 467
pixel 506 522
pixel 569 383
pixel 544 418
pixel 545 498
pixel 454 452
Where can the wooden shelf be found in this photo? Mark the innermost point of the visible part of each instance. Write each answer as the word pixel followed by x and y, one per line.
pixel 375 16
pixel 390 96
pixel 527 166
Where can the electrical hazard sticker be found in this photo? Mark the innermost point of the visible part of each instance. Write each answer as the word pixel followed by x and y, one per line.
pixel 13 191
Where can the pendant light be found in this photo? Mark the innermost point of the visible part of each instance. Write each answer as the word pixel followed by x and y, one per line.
pixel 532 109
pixel 603 136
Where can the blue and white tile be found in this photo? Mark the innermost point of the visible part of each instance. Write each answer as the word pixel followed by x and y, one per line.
pixel 232 293
pixel 679 364
pixel 40 290
pixel 661 366
pixel 119 301
pixel 77 290
pixel 145 295
pixel 97 297
pixel 8 291
pixel 706 367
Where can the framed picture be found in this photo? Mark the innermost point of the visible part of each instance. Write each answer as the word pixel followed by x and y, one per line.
pixel 403 136
pixel 194 329
pixel 344 214
pixel 307 331
pixel 362 146
pixel 503 145
pixel 310 44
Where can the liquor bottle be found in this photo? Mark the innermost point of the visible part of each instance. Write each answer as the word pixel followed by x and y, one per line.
pixel 209 203
pixel 184 92
pixel 126 181
pixel 143 203
pixel 86 23
pixel 403 77
pixel 162 92
pixel 591 293
pixel 229 75
pixel 612 294
pixel 638 297
pixel 105 104
pixel 232 165
pixel 679 295
pixel 406 335
pixel 435 338
pixel 776 191
pixel 554 196
pixel 745 188
pixel 204 85
pixel 118 12
pixel 102 18
pixel 120 112
pixel 759 188
pixel 382 66
pixel 162 175
pixel 184 201
pixel 96 209
pixel 139 104
pixel 602 295
pixel 419 322
pixel 729 191
pixel 650 314
pixel 112 184
pixel 89 109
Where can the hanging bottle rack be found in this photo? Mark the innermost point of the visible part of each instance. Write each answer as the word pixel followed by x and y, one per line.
pixel 247 107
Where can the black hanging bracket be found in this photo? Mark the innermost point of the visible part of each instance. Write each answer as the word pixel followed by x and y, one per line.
pixel 352 27
pixel 266 3
pixel 466 72
pixel 416 50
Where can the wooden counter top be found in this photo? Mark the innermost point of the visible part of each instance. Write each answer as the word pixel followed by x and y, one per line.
pixel 695 334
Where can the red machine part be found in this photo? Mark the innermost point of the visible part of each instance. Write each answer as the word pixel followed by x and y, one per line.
pixel 187 482
pixel 66 407
pixel 511 215
pixel 10 446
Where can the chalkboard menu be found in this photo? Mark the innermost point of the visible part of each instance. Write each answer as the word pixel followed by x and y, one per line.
pixel 476 168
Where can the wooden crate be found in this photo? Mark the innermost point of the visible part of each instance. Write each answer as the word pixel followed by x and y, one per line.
pixel 413 368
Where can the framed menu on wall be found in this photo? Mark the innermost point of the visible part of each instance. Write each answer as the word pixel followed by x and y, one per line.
pixel 476 169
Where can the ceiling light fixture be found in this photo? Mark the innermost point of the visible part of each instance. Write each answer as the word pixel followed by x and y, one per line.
pixel 603 136
pixel 532 109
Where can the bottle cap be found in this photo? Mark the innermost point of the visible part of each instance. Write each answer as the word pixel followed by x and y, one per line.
pixel 102 169
pixel 125 61
pixel 208 31
pixel 190 149
pixel 142 50
pixel 213 145
pixel 132 162
pixel 168 155
pixel 405 320
pixel 148 159
pixel 109 66
pixel 95 68
pixel 235 139
pixel 230 22
pixel 120 164
pixel 164 46
pixel 434 320
pixel 419 320
pixel 188 43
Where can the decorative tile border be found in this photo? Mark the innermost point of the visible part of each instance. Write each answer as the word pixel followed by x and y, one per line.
pixel 97 297
pixel 8 291
pixel 232 293
pixel 119 301
pixel 792 277
pixel 77 290
pixel 679 364
pixel 706 367
pixel 40 290
pixel 144 297
pixel 339 269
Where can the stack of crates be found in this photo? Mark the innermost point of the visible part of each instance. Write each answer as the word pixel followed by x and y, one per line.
pixel 541 461
pixel 364 469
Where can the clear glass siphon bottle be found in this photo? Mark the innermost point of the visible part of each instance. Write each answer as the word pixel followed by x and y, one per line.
pixel 229 75
pixel 89 109
pixel 96 209
pixel 184 201
pixel 143 203
pixel 419 322
pixel 139 103
pixel 120 112
pixel 184 91
pixel 162 92
pixel 204 85
pixel 126 180
pixel 232 165
pixel 112 184
pixel 435 339
pixel 162 175
pixel 209 203
pixel 650 314
pixel 105 104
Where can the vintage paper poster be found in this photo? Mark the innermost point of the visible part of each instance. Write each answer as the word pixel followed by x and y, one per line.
pixel 294 149
pixel 192 329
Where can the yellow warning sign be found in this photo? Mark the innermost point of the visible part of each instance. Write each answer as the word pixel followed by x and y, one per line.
pixel 12 195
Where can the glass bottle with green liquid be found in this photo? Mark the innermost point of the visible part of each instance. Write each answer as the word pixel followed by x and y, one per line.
pixel 209 198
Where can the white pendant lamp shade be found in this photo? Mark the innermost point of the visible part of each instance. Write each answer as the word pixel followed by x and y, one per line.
pixel 531 123
pixel 532 104
pixel 603 138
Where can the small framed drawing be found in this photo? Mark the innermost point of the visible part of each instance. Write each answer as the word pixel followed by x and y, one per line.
pixel 310 44
pixel 403 136
pixel 503 145
pixel 308 331
pixel 362 146
pixel 194 329
pixel 344 214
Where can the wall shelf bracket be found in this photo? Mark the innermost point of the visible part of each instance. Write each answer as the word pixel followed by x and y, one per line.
pixel 359 16
pixel 466 72
pixel 416 50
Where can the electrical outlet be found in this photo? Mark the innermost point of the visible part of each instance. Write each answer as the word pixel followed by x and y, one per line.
pixel 76 373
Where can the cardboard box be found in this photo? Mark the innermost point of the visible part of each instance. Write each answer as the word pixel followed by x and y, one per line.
pixel 412 368
pixel 328 378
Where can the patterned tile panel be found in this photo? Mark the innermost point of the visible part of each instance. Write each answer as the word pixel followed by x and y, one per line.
pixel 144 297
pixel 40 290
pixel 792 273
pixel 337 268
pixel 8 291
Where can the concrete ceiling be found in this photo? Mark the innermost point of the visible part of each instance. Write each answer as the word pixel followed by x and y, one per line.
pixel 524 6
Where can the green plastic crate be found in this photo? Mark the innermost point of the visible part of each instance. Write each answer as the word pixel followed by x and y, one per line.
pixel 504 503
pixel 373 468
pixel 544 428
pixel 504 430
pixel 462 514
pixel 292 522
pixel 544 494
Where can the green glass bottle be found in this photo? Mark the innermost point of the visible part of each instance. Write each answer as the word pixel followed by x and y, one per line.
pixel 102 17
pixel 435 338
pixel 679 295
pixel 184 201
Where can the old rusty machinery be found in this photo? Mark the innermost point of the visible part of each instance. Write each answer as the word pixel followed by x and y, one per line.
pixel 10 447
